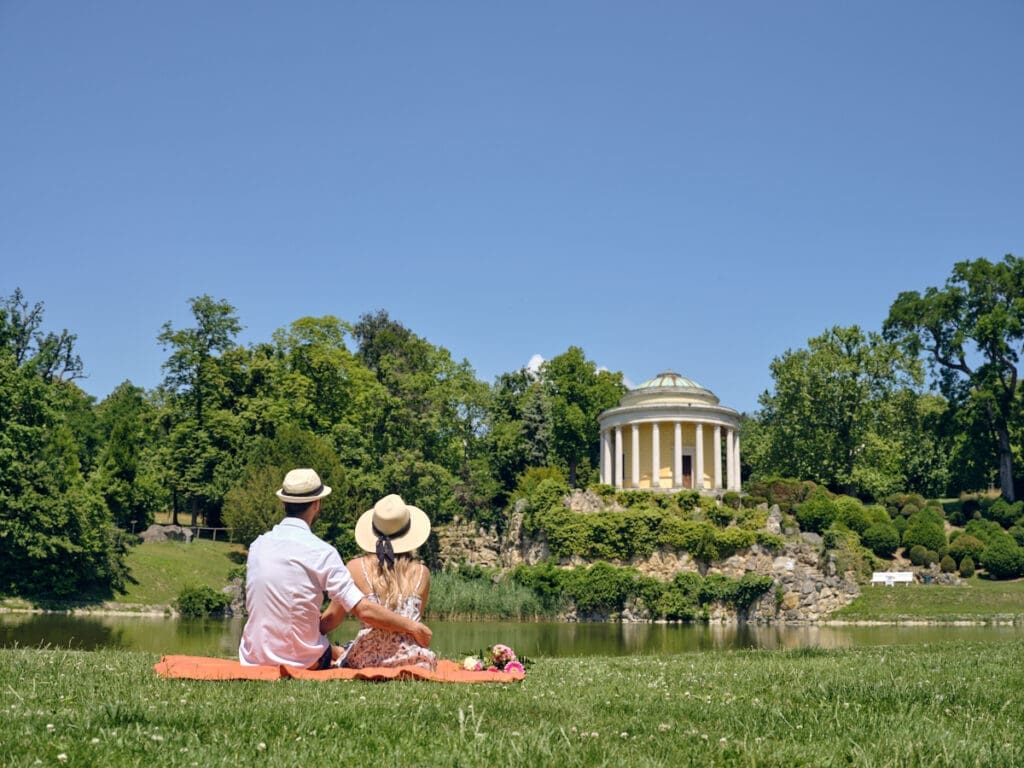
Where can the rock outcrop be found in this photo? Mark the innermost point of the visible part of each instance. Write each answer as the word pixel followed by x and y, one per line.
pixel 808 587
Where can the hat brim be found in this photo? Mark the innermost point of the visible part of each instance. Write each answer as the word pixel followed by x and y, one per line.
pixel 415 537
pixel 325 491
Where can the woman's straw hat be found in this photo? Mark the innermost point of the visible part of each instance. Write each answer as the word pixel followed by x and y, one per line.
pixel 406 526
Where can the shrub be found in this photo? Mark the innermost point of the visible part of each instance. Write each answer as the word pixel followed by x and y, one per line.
pixel 878 514
pixel 918 554
pixel 600 588
pixel 852 513
pixel 965 545
pixel 721 515
pixel 785 492
pixel 634 497
pixel 1017 533
pixel 881 538
pixel 1004 513
pixel 947 564
pixel 199 602
pixel 1003 559
pixel 545 579
pixel 733 539
pixel 931 557
pixel 924 530
pixel 967 567
pixel 687 500
pixel 547 494
pixel 731 499
pixel 816 514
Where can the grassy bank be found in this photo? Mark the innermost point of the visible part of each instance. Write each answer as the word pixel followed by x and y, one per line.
pixel 940 705
pixel 977 600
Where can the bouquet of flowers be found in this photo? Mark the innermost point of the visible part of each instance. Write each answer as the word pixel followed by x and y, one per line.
pixel 498 658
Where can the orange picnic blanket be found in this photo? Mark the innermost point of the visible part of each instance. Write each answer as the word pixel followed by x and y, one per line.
pixel 210 668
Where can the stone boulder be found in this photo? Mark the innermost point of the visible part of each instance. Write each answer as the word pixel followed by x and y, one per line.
pixel 166 533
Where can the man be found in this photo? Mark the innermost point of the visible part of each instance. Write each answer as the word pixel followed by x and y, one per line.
pixel 288 571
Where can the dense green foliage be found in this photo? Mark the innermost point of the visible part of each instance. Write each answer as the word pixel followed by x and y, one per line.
pixel 199 601
pixel 377 409
pixel 602 589
pixel 978 314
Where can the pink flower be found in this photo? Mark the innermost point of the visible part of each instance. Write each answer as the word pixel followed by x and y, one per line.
pixel 493 668
pixel 472 663
pixel 502 654
pixel 515 666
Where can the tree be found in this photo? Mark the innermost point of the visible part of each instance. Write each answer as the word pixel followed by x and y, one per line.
pixel 578 392
pixel 972 333
pixel 127 475
pixel 430 422
pixel 203 432
pixel 251 508
pixel 840 415
pixel 519 429
pixel 56 536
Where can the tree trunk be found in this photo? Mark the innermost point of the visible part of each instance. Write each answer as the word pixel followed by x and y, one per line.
pixel 1005 463
pixel 174 507
pixel 572 473
pixel 195 510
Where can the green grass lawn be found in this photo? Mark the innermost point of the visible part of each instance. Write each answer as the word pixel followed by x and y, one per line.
pixel 945 704
pixel 977 600
pixel 159 570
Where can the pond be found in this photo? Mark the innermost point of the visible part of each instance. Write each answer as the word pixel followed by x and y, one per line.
pixel 219 637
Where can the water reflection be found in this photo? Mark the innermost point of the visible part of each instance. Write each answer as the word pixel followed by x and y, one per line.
pixel 219 637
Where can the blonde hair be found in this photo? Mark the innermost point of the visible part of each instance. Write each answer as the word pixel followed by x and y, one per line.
pixel 391 584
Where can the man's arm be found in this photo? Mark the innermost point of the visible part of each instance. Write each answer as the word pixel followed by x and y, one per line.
pixel 332 616
pixel 380 617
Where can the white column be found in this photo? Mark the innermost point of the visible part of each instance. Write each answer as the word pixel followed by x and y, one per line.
pixel 606 463
pixel 737 476
pixel 728 459
pixel 677 457
pixel 699 458
pixel 635 469
pixel 718 456
pixel 655 456
pixel 618 457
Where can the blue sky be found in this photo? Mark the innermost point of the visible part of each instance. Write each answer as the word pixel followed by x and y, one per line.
pixel 668 185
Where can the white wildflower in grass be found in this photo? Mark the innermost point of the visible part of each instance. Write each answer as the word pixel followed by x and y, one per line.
pixel 261 747
pixel 157 737
pixel 94 740
pixel 50 727
pixel 624 735
pixel 62 757
pixel 664 727
pixel 723 741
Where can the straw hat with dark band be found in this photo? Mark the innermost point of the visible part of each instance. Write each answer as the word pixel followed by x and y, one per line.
pixel 392 527
pixel 301 486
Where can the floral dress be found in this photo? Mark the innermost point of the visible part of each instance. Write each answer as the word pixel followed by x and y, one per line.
pixel 374 647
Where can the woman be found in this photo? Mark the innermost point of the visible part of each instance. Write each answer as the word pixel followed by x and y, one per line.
pixel 392 577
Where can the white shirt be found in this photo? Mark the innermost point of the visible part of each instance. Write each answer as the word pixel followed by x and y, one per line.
pixel 287 573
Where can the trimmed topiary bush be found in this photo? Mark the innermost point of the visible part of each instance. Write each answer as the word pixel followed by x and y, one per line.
pixel 881 538
pixel 947 564
pixel 816 514
pixel 965 545
pixel 967 567
pixel 1003 559
pixel 918 554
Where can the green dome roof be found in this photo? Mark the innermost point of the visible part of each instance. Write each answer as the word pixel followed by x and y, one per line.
pixel 670 379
